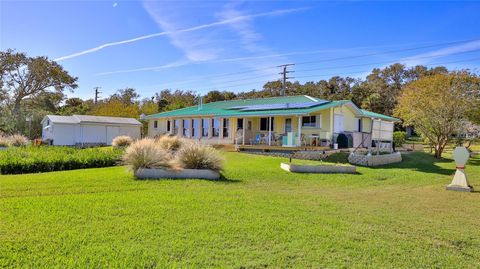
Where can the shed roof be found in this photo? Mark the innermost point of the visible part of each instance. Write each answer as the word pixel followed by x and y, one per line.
pixel 228 108
pixel 76 119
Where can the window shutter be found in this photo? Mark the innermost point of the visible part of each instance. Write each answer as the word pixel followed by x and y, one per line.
pixel 318 121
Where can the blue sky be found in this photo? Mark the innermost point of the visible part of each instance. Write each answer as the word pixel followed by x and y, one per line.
pixel 235 45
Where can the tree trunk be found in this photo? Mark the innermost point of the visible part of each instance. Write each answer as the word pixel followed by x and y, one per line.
pixel 439 149
pixel 16 114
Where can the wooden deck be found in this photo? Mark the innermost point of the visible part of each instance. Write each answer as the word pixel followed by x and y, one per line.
pixel 267 148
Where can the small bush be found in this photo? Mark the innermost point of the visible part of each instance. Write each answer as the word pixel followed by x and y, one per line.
pixel 147 153
pixel 399 138
pixel 197 156
pixel 4 142
pixel 18 140
pixel 170 143
pixel 122 141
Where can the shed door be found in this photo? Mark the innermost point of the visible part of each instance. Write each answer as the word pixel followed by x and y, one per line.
pixel 112 132
pixel 338 124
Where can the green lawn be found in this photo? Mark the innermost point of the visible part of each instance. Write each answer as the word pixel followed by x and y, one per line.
pixel 398 216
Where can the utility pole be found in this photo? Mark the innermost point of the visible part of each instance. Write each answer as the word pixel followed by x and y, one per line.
pixel 97 92
pixel 285 77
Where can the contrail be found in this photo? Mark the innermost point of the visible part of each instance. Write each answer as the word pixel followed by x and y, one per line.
pixel 191 29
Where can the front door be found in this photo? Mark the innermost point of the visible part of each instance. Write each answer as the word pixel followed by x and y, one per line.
pixel 288 125
pixel 338 124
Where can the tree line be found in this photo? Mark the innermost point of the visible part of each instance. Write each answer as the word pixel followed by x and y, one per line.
pixel 32 87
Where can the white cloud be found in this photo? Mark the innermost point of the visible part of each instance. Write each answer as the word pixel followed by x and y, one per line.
pixel 424 58
pixel 173 32
pixel 115 4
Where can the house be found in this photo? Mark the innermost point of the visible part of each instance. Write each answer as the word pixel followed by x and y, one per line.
pixel 87 130
pixel 287 121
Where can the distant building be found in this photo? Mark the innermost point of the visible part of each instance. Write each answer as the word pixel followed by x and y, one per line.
pixel 87 130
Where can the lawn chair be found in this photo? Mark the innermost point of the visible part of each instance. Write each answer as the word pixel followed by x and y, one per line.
pixel 257 140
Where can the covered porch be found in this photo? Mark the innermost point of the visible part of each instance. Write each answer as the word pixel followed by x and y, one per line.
pixel 283 132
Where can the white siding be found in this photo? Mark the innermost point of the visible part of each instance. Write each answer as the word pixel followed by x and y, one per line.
pixel 94 134
pixel 63 134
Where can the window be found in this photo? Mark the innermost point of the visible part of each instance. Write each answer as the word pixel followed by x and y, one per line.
pixel 226 123
pixel 205 127
pixel 359 125
pixel 186 128
pixel 195 123
pixel 48 122
pixel 215 127
pixel 264 124
pixel 155 124
pixel 239 124
pixel 168 125
pixel 309 121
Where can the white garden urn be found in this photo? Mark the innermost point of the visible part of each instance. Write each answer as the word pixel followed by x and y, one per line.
pixel 459 182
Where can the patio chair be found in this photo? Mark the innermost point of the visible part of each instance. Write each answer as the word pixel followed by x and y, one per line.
pixel 257 140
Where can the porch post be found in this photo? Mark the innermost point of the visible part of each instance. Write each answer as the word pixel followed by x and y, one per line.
pixel 180 127
pixel 220 131
pixel 210 127
pixel 243 131
pixel 269 131
pixel 299 138
pixel 190 128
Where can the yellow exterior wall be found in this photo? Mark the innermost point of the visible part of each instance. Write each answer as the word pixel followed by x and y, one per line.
pixel 350 121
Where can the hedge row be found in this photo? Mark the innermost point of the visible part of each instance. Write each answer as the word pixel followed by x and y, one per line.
pixel 48 158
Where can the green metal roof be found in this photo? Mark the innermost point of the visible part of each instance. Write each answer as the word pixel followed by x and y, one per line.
pixel 371 114
pixel 223 108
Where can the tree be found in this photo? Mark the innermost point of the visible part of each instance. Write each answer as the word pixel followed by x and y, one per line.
pixel 437 105
pixel 29 77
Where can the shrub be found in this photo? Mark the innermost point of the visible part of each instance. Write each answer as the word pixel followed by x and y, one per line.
pixel 18 140
pixel 399 138
pixel 147 153
pixel 197 156
pixel 170 143
pixel 4 142
pixel 30 159
pixel 122 141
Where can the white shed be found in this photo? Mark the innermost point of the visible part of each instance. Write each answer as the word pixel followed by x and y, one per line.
pixel 87 130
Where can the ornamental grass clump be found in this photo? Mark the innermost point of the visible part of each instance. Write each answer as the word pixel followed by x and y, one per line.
pixel 18 140
pixel 122 141
pixel 4 142
pixel 147 153
pixel 170 143
pixel 194 155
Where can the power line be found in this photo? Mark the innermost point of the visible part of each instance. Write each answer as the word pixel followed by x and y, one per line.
pixel 332 74
pixel 383 62
pixel 347 66
pixel 385 52
pixel 329 60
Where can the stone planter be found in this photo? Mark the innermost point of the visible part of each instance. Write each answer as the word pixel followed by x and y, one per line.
pixel 175 174
pixel 321 169
pixel 374 160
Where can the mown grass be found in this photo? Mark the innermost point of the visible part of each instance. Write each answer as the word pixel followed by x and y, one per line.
pixel 398 216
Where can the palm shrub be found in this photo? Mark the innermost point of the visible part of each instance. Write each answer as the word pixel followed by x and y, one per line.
pixel 18 140
pixel 147 153
pixel 193 155
pixel 122 141
pixel 170 143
